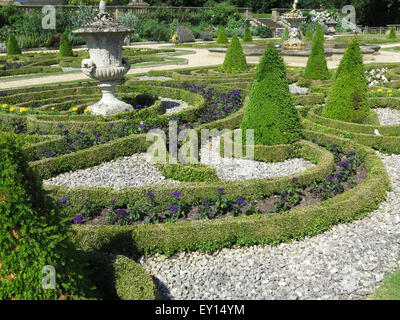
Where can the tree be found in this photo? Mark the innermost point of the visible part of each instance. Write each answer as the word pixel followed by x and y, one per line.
pixel 392 35
pixel 235 60
pixel 317 67
pixel 347 99
pixel 12 46
pixel 65 46
pixel 271 112
pixel 222 37
pixel 247 35
pixel 32 233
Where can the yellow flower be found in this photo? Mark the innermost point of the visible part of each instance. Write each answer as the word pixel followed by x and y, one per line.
pixel 75 109
pixel 22 110
pixel 300 68
pixel 372 91
pixel 390 91
pixel 86 110
pixel 390 94
pixel 292 69
pixel 12 109
pixel 53 108
pixel 379 90
pixel 5 106
pixel 255 68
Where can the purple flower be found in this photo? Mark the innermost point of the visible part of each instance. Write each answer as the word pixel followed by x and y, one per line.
pixel 330 177
pixel 40 153
pixel 283 195
pixel 295 179
pixel 50 154
pixel 254 203
pixel 60 125
pixel 175 118
pixel 221 191
pixel 176 194
pixel 63 200
pixel 334 149
pixel 78 219
pixel 344 164
pixel 205 201
pixel 121 213
pixel 112 202
pixel 150 194
pixel 338 175
pixel 111 124
pixel 142 125
pixel 240 201
pixel 352 152
pixel 174 209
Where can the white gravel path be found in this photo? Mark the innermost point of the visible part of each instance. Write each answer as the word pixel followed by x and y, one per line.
pixel 388 116
pixel 174 106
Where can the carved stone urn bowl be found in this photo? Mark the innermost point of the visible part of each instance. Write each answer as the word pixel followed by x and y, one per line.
pixel 104 37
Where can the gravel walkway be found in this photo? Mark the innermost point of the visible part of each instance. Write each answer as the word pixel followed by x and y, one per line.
pixel 347 262
pixel 174 106
pixel 388 116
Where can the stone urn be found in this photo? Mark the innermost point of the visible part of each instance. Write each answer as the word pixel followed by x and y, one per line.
pixel 331 24
pixel 104 37
pixel 294 42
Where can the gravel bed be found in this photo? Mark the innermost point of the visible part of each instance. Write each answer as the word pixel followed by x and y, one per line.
pixel 233 169
pixel 147 78
pixel 388 116
pixel 173 106
pixel 121 173
pixel 347 262
pixel 295 89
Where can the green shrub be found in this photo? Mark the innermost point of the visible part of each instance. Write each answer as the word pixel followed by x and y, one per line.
pixel 317 68
pixel 392 34
pixel 235 60
pixel 32 234
pixel 222 37
pixel 12 46
pixel 271 112
pixel 65 46
pixel 309 33
pixel 285 35
pixel 347 99
pixel 263 31
pixel 247 35
pixel 271 62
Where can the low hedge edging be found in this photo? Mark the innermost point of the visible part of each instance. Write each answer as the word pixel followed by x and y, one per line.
pixel 245 230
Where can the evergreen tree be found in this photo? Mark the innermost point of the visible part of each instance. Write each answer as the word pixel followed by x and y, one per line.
pixel 222 38
pixel 65 46
pixel 32 234
pixel 347 99
pixel 392 35
pixel 271 112
pixel 12 46
pixel 235 60
pixel 317 67
pixel 247 35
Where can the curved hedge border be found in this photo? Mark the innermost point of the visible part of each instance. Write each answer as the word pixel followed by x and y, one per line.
pixel 250 230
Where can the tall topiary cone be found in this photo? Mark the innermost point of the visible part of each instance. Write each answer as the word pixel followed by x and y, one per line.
pixel 347 99
pixel 12 46
pixel 65 46
pixel 222 37
pixel 32 234
pixel 317 67
pixel 235 60
pixel 247 35
pixel 271 112
pixel 392 35
pixel 271 62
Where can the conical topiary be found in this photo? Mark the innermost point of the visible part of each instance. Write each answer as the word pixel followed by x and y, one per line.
pixel 247 35
pixel 12 46
pixel 347 99
pixel 32 234
pixel 285 35
pixel 65 46
pixel 235 60
pixel 392 34
pixel 317 67
pixel 222 37
pixel 271 62
pixel 271 112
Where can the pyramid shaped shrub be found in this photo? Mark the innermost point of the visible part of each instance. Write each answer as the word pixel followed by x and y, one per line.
pixel 222 37
pixel 271 62
pixel 32 234
pixel 392 34
pixel 235 60
pixel 247 35
pixel 317 67
pixel 347 99
pixel 65 46
pixel 12 46
pixel 271 112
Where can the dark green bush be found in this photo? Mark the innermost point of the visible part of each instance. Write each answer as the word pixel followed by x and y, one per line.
pixel 271 112
pixel 32 233
pixel 263 31
pixel 222 37
pixel 235 60
pixel 392 34
pixel 347 99
pixel 12 46
pixel 317 67
pixel 65 46
pixel 247 35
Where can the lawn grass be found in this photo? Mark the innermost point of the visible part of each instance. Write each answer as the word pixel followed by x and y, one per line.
pixel 261 15
pixel 389 290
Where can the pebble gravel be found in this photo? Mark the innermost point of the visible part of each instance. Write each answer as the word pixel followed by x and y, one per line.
pixel 388 116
